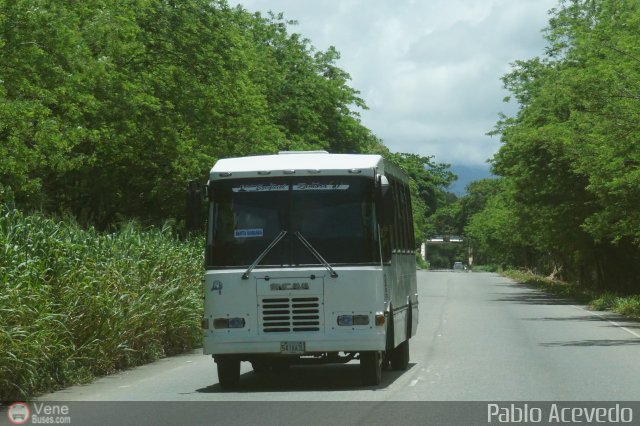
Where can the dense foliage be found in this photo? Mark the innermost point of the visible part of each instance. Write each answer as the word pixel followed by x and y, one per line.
pixel 568 196
pixel 76 303
pixel 108 108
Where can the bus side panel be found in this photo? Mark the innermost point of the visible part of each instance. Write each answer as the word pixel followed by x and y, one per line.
pixel 413 293
pixel 402 288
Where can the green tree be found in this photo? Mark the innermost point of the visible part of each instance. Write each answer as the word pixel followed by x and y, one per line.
pixel 569 160
pixel 108 108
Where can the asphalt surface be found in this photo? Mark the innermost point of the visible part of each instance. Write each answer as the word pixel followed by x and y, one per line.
pixel 481 337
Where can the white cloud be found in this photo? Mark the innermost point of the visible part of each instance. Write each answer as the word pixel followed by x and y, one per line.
pixel 428 70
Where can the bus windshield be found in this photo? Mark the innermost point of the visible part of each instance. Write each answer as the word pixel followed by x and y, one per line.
pixel 334 214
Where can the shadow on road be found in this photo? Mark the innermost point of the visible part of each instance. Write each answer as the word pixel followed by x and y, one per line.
pixel 530 296
pixel 336 377
pixel 587 343
pixel 592 318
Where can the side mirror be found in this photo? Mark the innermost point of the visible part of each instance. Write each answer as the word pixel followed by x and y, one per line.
pixel 384 203
pixel 207 190
pixel 383 185
pixel 194 207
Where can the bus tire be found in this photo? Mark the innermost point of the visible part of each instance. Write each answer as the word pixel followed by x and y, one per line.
pixel 371 368
pixel 280 366
pixel 386 362
pixel 400 356
pixel 228 372
pixel 260 367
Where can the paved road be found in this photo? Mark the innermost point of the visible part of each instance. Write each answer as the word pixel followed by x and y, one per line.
pixel 480 338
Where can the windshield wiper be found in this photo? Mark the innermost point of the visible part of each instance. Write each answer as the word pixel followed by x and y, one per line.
pixel 315 253
pixel 280 236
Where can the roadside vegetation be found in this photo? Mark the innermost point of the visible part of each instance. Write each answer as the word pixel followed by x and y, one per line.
pixel 76 303
pixel 485 268
pixel 601 301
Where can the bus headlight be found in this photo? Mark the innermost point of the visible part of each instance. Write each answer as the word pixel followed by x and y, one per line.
pixel 351 320
pixel 228 323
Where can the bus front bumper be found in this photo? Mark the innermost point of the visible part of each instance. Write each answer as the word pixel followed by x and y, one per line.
pixel 216 346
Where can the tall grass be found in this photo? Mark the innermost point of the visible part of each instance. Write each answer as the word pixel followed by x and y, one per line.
pixel 76 303
pixel 557 287
pixel 625 305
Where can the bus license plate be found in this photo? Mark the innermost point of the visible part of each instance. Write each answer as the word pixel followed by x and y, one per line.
pixel 292 347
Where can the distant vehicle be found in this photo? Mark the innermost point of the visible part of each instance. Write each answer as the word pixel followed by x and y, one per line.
pixel 458 266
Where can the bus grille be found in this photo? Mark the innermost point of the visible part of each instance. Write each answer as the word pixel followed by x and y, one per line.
pixel 284 315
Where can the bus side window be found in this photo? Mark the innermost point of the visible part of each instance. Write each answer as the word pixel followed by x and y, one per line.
pixel 396 239
pixel 406 208
pixel 403 217
pixel 412 236
pixel 385 212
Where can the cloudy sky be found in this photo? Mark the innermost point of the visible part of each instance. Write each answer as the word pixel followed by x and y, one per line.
pixel 429 70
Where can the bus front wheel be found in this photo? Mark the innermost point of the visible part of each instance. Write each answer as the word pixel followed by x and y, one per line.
pixel 371 368
pixel 228 372
pixel 260 367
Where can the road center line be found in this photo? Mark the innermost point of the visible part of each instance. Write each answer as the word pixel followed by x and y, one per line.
pixel 609 321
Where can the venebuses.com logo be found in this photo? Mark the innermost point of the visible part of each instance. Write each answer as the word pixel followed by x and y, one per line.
pixel 18 413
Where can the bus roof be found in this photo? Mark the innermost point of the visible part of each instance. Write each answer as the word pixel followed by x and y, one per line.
pixel 297 163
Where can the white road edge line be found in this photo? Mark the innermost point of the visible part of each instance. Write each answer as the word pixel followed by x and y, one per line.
pixel 609 321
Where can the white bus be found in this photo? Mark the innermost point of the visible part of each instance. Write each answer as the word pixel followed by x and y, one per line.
pixel 310 258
